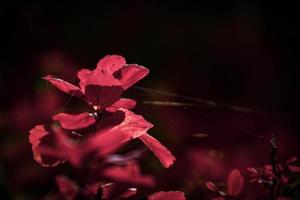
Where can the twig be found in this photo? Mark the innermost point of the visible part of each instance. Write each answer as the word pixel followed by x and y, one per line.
pixel 274 155
pixel 205 102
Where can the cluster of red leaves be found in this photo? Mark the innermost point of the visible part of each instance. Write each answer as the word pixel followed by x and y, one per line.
pixel 88 140
pixel 271 179
pixel 235 183
pixel 274 177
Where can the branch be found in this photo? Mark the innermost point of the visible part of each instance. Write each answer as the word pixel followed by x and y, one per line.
pixel 205 102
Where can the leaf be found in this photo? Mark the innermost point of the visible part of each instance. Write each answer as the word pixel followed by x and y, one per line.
pixel 122 103
pixel 128 174
pixel 44 147
pixel 291 160
pixel 84 76
pixel 117 191
pixel 294 168
pixel 64 86
pixel 160 151
pixel 252 170
pixel 235 183
pixel 110 138
pixel 130 74
pixel 68 188
pixel 111 63
pixel 74 121
pixel 170 195
pixel 36 134
pixel 284 179
pixel 102 96
pixel 210 185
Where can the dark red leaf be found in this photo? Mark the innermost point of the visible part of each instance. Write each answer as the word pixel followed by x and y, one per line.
pixel 252 170
pixel 130 74
pixel 68 188
pixel 291 160
pixel 129 174
pixel 235 182
pixel 102 96
pixel 117 191
pixel 284 179
pixel 102 89
pixel 294 168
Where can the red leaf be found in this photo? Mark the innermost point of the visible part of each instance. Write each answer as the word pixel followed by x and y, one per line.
pixel 67 147
pixel 129 174
pixel 117 191
pixel 294 168
pixel 171 195
pixel 252 170
pixel 122 103
pixel 160 151
pixel 130 74
pixel 291 160
pixel 235 182
pixel 67 187
pixel 74 122
pixel 212 186
pixel 102 89
pixel 64 86
pixel 43 147
pixel 109 139
pixel 111 63
pixel 84 76
pixel 284 179
pixel 36 134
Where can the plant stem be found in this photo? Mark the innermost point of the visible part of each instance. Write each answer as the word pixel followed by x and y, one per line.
pixel 274 154
pixel 208 103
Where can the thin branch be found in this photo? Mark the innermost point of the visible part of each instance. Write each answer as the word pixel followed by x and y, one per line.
pixel 205 102
pixel 274 155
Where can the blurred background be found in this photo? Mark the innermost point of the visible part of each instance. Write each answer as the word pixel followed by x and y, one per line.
pixel 239 53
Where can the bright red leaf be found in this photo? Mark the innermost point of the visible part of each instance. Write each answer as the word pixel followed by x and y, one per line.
pixel 130 74
pixel 160 151
pixel 111 63
pixel 122 103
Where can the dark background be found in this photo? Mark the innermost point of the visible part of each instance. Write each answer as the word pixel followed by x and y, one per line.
pixel 234 52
